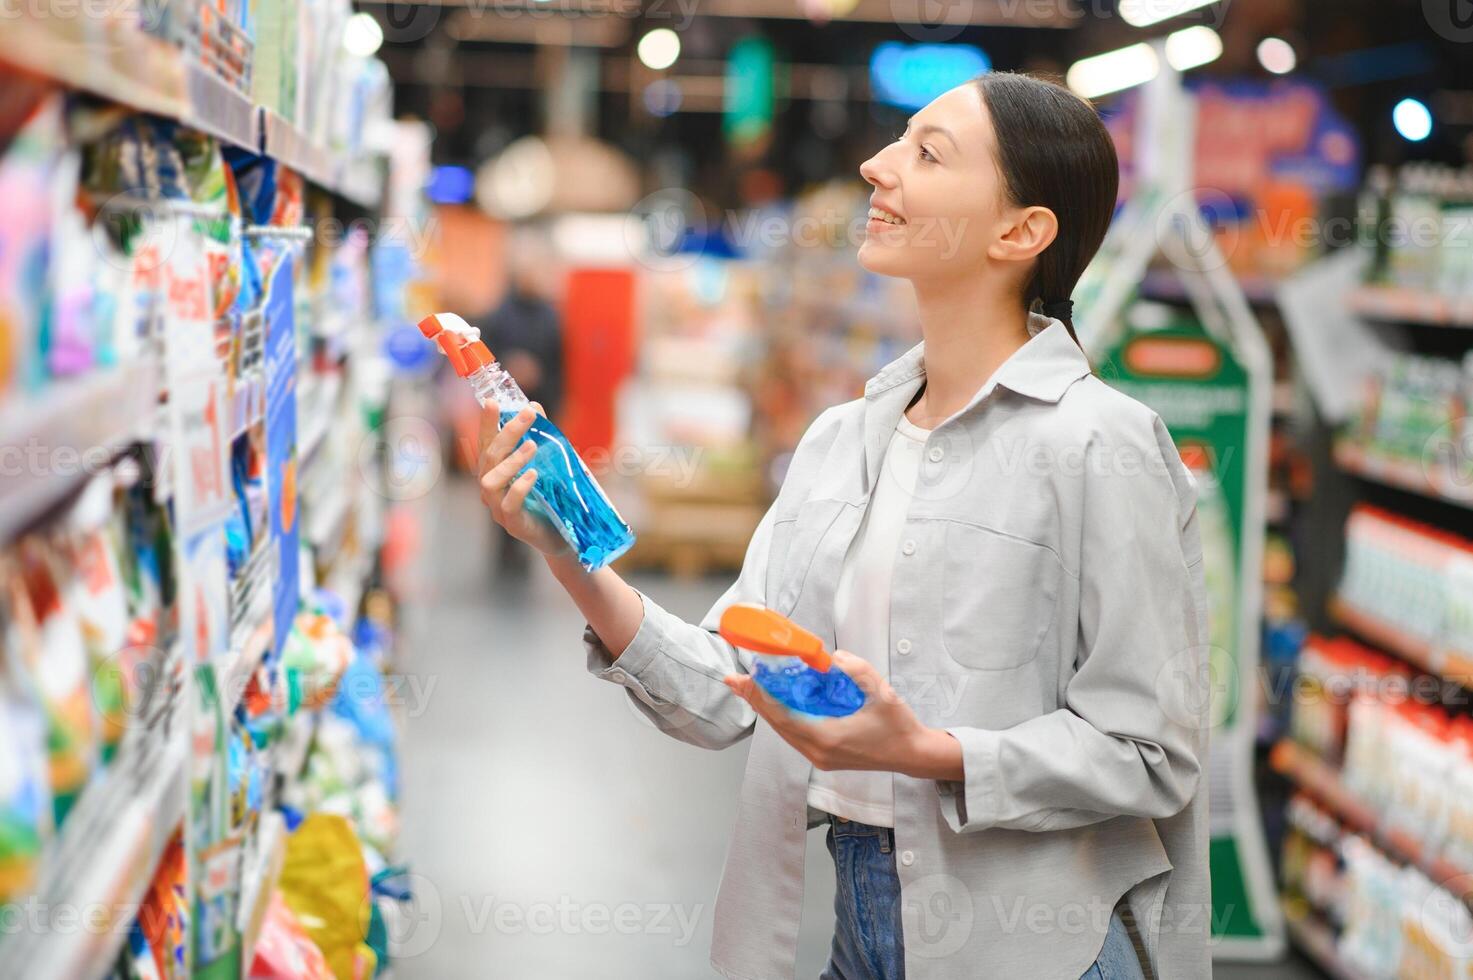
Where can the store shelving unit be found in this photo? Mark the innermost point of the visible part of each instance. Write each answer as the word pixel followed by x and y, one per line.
pixel 1314 938
pixel 125 66
pixel 1432 658
pixel 1399 473
pixel 1420 306
pixel 75 427
pixel 101 863
pixel 1323 782
pixel 99 866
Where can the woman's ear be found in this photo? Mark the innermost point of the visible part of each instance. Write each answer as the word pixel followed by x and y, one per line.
pixel 1033 229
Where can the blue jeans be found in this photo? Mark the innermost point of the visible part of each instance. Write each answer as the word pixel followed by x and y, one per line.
pixel 867 938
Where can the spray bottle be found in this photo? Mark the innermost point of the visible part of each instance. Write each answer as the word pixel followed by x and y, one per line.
pixel 565 492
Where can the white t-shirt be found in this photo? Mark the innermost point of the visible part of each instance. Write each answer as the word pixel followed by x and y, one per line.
pixel 862 617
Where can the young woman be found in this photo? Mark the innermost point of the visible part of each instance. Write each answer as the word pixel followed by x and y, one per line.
pixel 1005 551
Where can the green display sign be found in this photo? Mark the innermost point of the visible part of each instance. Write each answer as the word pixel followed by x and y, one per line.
pixel 1202 393
pixel 748 102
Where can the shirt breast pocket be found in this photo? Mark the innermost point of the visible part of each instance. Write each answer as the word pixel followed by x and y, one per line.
pixel 795 541
pixel 999 596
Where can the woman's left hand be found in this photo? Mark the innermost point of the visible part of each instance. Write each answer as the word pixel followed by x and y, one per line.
pixel 884 735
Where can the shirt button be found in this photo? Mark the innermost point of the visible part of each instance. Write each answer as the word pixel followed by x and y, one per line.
pixel 907 858
pixel 908 548
pixel 903 646
pixel 935 454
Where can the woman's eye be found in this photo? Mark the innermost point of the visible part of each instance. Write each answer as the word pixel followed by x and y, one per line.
pixel 926 155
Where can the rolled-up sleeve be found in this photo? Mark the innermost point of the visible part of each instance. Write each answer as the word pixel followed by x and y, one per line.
pixel 1131 737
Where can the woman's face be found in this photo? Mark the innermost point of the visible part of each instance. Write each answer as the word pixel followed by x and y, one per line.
pixel 940 192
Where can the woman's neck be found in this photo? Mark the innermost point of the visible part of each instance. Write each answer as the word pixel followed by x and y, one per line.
pixel 970 328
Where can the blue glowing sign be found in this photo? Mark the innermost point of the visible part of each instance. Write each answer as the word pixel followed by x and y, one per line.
pixel 910 75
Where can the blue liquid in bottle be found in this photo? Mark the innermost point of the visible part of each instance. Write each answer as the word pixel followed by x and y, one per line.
pixel 568 496
pixel 788 680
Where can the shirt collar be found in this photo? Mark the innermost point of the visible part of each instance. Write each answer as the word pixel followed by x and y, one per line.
pixel 1043 368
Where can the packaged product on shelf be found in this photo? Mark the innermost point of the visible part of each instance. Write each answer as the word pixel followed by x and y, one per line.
pixel 313 660
pixel 284 951
pixel 212 185
pixel 102 605
pixel 215 838
pixel 1408 574
pixel 1369 763
pixel 44 638
pixel 1333 673
pixel 273 69
pixel 1416 217
pixel 1311 863
pixel 1415 409
pixel 26 818
pixel 158 947
pixel 326 883
pixel 1418 740
pixel 1435 930
pixel 138 160
pixel 26 168
pixel 74 342
pixel 1416 224
pixel 1371 941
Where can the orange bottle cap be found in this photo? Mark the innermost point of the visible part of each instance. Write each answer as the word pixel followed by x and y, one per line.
pixel 759 629
pixel 430 327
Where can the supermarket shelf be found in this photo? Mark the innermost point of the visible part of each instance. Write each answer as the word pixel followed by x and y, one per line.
pixel 220 110
pixel 1322 781
pixel 349 179
pixel 65 434
pixel 1314 938
pixel 113 60
pixel 1427 656
pixel 101 864
pixel 286 143
pixel 116 61
pixel 1399 473
pixel 1402 305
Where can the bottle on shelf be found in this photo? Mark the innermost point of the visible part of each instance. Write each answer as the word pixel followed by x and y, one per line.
pixel 566 492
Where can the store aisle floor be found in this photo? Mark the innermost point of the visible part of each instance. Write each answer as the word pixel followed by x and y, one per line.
pixel 555 834
pixel 559 835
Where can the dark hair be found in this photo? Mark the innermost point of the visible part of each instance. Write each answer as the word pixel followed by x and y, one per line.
pixel 1054 152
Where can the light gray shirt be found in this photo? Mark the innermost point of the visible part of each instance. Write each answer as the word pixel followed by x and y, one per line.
pixel 1048 609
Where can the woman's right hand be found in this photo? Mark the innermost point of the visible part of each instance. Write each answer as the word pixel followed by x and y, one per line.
pixel 502 491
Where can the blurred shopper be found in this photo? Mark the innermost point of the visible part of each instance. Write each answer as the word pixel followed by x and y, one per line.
pixel 525 332
pixel 1006 549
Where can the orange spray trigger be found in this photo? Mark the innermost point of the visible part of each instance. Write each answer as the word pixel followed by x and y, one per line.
pixel 454 349
pixel 759 629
